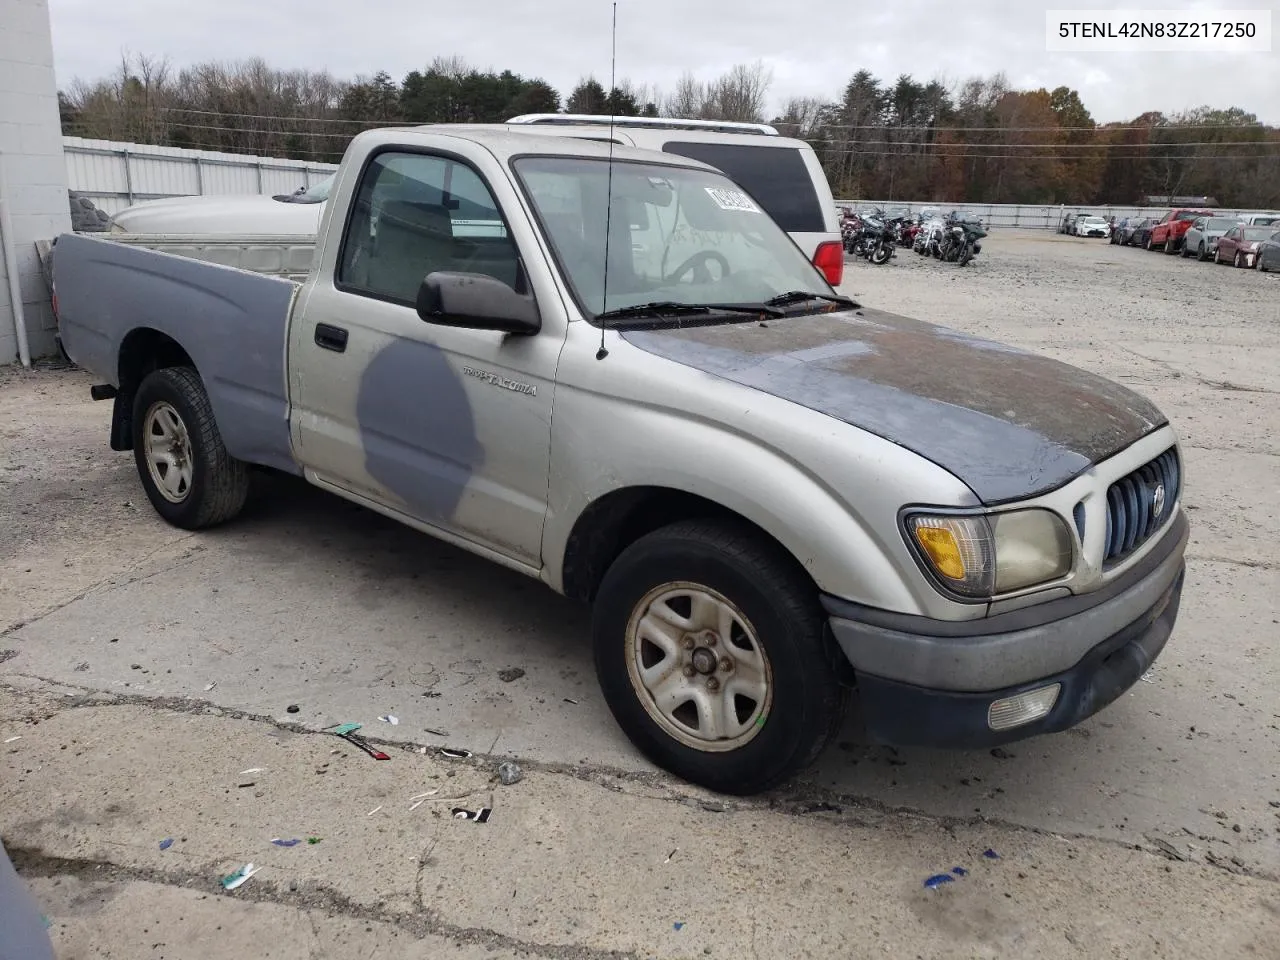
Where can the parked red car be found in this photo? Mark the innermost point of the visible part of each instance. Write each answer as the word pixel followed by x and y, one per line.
pixel 1239 245
pixel 1168 233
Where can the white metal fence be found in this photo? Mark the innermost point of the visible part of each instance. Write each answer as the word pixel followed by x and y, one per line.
pixel 1025 216
pixel 117 175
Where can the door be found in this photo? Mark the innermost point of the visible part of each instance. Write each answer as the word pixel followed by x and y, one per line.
pixel 450 427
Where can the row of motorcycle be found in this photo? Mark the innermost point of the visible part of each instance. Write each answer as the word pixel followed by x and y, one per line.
pixel 952 237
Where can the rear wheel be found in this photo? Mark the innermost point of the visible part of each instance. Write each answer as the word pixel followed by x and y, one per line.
pixel 712 652
pixel 186 471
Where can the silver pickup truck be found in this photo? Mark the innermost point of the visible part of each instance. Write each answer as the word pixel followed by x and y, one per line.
pixel 638 389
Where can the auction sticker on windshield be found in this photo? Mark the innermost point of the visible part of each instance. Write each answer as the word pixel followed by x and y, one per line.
pixel 732 200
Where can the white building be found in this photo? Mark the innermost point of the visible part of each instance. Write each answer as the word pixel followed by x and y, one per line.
pixel 33 173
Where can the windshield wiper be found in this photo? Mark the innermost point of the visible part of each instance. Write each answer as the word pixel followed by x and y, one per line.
pixel 796 296
pixel 675 308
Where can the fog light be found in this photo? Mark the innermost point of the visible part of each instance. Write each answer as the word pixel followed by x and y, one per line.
pixel 1024 708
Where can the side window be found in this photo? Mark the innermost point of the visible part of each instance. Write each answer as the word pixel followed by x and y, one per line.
pixel 415 214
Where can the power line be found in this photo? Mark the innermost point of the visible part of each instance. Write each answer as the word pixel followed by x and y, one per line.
pixel 904 155
pixel 829 126
pixel 260 116
pixel 1065 146
pixel 935 146
pixel 1053 129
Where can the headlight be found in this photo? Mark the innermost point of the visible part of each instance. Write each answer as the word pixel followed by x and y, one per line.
pixel 982 556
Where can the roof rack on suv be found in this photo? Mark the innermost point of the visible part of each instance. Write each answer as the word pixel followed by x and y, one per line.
pixel 671 123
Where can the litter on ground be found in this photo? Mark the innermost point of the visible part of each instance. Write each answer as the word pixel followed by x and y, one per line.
pixel 234 880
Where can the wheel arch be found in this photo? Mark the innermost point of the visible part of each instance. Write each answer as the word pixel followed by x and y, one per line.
pixel 619 518
pixel 142 351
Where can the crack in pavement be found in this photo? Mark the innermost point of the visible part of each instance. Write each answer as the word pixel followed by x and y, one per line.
pixel 182 561
pixel 799 800
pixel 35 863
pixel 1203 381
pixel 1252 564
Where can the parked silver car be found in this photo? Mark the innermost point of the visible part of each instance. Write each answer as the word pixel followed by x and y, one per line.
pixel 1202 239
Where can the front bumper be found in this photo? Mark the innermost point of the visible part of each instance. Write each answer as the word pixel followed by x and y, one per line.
pixel 935 687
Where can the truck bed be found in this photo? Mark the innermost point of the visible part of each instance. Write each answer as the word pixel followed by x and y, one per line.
pixel 231 321
pixel 286 255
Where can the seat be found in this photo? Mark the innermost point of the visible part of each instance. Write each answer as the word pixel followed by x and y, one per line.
pixel 413 239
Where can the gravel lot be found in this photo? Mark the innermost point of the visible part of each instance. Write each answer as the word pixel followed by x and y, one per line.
pixel 143 668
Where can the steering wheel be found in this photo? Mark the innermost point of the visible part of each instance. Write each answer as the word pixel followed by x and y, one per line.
pixel 697 263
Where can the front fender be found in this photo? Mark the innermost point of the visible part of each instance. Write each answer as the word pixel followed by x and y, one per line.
pixel 772 464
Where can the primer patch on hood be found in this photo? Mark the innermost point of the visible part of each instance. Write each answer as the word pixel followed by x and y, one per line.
pixel 1007 422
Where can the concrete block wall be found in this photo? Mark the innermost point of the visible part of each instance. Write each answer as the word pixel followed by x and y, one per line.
pixel 35 170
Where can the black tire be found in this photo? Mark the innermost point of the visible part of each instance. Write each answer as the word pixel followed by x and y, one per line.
pixel 219 483
pixel 1170 246
pixel 881 253
pixel 966 254
pixel 1238 261
pixel 780 604
pixel 1202 254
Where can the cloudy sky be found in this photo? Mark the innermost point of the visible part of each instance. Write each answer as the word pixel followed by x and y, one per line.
pixel 812 47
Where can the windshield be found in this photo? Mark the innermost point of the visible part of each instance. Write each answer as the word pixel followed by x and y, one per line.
pixel 1220 223
pixel 1253 234
pixel 676 235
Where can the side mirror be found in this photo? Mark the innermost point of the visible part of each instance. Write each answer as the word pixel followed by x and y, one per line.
pixel 477 301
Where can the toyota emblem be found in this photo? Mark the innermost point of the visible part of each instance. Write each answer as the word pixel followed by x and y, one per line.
pixel 1157 500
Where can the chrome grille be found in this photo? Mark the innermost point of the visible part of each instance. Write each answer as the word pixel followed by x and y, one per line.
pixel 1132 516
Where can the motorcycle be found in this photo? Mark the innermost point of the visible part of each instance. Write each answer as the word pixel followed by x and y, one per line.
pixel 877 240
pixel 851 234
pixel 961 240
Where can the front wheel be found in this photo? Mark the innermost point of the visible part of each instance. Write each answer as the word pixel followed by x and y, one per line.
pixel 881 252
pixel 189 477
pixel 966 254
pixel 711 651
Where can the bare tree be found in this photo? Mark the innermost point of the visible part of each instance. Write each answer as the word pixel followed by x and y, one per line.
pixel 740 94
pixel 686 100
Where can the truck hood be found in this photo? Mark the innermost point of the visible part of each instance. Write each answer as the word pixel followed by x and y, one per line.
pixel 236 215
pixel 1008 423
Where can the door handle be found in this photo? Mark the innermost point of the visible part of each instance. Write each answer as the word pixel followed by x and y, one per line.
pixel 331 337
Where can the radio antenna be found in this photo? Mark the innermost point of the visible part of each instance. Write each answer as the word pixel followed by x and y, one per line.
pixel 608 207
